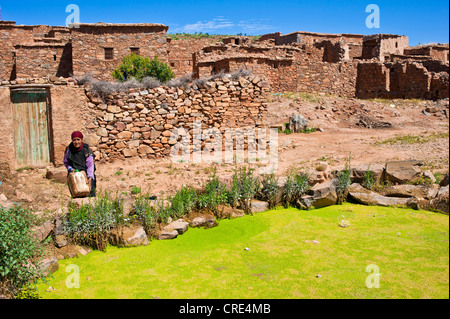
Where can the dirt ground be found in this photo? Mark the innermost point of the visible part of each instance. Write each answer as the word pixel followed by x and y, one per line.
pixel 353 127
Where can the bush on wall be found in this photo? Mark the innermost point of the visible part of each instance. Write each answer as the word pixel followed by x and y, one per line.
pixel 138 67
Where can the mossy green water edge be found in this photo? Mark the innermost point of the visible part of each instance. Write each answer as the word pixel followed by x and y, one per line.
pixel 278 254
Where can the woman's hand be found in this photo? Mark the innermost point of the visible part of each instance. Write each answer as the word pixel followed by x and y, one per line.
pixel 89 183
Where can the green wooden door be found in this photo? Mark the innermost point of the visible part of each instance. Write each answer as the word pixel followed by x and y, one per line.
pixel 31 126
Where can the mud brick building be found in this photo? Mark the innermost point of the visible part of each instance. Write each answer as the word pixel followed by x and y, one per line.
pixel 100 47
pixel 350 65
pixel 41 102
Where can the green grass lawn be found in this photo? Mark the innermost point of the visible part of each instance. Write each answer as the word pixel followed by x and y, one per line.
pixel 411 249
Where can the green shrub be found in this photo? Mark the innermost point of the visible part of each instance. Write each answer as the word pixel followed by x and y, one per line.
pixel 91 223
pixel 369 179
pixel 344 182
pixel 269 190
pixel 20 254
pixel 245 186
pixel 297 184
pixel 213 195
pixel 138 67
pixel 144 213
pixel 135 190
pixel 183 202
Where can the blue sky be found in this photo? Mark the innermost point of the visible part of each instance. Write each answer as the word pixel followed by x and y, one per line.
pixel 422 21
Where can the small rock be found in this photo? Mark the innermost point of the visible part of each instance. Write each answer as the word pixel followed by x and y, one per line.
pixel 168 234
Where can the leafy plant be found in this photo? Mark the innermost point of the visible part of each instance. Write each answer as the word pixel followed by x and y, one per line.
pixel 138 67
pixel 369 179
pixel 135 190
pixel 91 223
pixel 297 184
pixel 214 195
pixel 269 190
pixel 245 186
pixel 344 182
pixel 183 202
pixel 20 254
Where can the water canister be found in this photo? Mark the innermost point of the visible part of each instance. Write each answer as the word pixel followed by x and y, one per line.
pixel 78 184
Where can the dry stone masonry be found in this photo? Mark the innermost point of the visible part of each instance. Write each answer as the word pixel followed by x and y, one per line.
pixel 140 122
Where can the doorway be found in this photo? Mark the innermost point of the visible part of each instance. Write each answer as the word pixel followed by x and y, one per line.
pixel 30 125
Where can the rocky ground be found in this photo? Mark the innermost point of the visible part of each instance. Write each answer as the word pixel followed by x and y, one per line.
pixel 371 131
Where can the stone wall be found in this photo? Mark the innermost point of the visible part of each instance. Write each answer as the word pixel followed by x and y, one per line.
pixel 410 80
pixel 140 122
pixel 330 78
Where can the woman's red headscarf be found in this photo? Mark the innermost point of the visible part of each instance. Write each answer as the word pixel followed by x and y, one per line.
pixel 79 135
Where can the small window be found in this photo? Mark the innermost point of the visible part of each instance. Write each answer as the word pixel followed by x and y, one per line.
pixel 396 44
pixel 134 50
pixel 172 64
pixel 54 57
pixel 109 53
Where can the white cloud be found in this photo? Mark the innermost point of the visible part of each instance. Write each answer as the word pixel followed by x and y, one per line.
pixel 207 26
pixel 220 23
pixel 254 25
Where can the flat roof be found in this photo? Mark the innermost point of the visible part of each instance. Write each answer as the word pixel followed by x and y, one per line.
pixel 115 25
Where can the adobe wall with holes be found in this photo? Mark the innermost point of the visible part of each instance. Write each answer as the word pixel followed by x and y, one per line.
pixel 98 49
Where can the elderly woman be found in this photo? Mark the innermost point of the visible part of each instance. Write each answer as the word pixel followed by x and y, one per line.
pixel 79 156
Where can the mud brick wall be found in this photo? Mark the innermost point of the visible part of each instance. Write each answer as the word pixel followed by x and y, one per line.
pixel 330 78
pixel 24 41
pixel 439 86
pixel 180 52
pixel 408 80
pixel 90 40
pixel 140 123
pixel 43 60
pixel 372 80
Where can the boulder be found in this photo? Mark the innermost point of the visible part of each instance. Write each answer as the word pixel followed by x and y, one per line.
pixel 259 206
pixel 297 123
pixel 168 234
pixel 407 190
pixel 444 181
pixel 441 201
pixel 128 236
pixel 281 183
pixel 359 172
pixel 324 194
pixel 403 171
pixel 43 231
pixel 367 197
pixel 57 174
pixel 208 221
pixel 181 226
pixel 321 174
pixel 60 241
pixel 429 175
pixel 49 265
